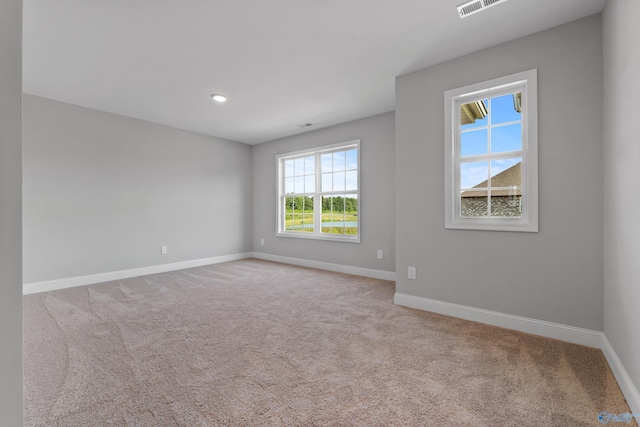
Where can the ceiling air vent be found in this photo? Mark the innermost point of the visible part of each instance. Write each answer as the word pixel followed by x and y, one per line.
pixel 475 6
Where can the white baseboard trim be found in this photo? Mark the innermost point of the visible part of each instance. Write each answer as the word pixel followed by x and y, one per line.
pixel 70 282
pixel 52 285
pixel 339 268
pixel 543 328
pixel 629 390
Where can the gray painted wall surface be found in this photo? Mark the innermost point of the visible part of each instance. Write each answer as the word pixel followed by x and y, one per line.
pixel 621 34
pixel 10 213
pixel 554 275
pixel 104 192
pixel 376 136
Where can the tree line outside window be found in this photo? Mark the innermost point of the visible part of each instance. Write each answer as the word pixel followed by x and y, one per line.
pixel 299 204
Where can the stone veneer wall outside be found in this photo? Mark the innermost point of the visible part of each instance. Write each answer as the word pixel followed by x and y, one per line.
pixel 500 206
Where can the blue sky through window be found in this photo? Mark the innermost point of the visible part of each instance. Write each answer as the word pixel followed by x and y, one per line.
pixel 474 142
pixel 339 171
pixel 500 131
pixel 503 109
pixel 506 138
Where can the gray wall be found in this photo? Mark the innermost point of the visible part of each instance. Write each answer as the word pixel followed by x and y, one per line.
pixel 103 192
pixel 10 213
pixel 621 34
pixel 376 136
pixel 554 275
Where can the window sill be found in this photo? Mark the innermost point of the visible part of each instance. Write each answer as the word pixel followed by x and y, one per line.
pixel 492 225
pixel 328 237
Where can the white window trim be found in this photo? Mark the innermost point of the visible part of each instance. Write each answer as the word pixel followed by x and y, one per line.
pixel 316 234
pixel 528 222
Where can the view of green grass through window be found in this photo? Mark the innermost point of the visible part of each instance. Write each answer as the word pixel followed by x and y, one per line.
pixel 339 214
pixel 321 192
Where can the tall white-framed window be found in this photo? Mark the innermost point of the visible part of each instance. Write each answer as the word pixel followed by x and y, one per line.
pixel 491 155
pixel 319 193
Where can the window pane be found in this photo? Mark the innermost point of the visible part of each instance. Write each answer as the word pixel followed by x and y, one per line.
pixel 307 210
pixel 352 180
pixel 339 158
pixel 338 181
pixel 473 203
pixel 291 219
pixel 299 214
pixel 308 204
pixel 310 165
pixel 474 174
pixel 333 215
pixel 327 182
pixel 506 173
pixel 288 185
pixel 474 142
pixel 351 205
pixel 288 215
pixel 506 205
pixel 326 162
pixel 325 216
pixel 352 159
pixel 506 187
pixel 351 214
pixel 288 168
pixel 299 220
pixel 299 184
pixel 299 166
pixel 506 108
pixel 328 211
pixel 340 215
pixel 506 138
pixel 338 223
pixel 309 184
pixel 474 114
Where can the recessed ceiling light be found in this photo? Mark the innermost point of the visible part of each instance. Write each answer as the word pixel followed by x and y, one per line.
pixel 218 98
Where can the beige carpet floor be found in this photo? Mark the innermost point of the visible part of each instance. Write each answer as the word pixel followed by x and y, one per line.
pixel 255 343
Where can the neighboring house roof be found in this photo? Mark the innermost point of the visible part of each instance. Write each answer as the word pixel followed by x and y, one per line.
pixel 517 102
pixel 477 110
pixel 511 177
pixel 472 111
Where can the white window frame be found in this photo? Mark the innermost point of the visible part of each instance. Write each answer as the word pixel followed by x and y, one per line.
pixel 526 82
pixel 318 194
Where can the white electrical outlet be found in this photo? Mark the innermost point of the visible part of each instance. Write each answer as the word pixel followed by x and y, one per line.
pixel 262 242
pixel 163 250
pixel 380 254
pixel 412 273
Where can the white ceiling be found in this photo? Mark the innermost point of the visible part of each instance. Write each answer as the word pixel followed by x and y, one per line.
pixel 282 63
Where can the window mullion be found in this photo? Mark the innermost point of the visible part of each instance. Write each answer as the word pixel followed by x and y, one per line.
pixel 317 202
pixel 490 155
pixel 457 204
